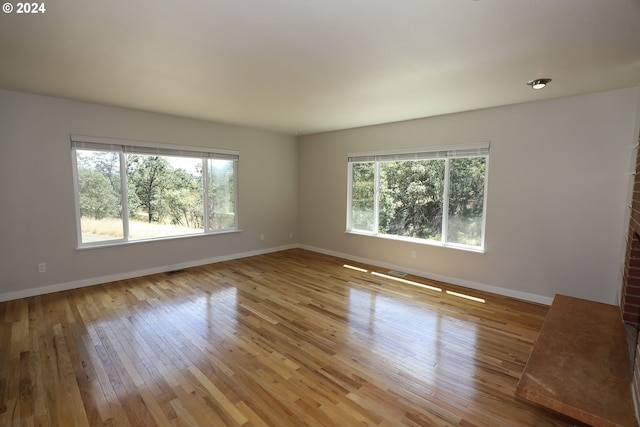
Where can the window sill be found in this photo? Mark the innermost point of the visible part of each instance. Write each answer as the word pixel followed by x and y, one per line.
pixel 112 243
pixel 419 241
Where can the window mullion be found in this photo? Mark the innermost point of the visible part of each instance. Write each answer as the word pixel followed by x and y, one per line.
pixel 484 201
pixel 205 194
pixel 76 190
pixel 349 195
pixel 445 201
pixel 376 198
pixel 236 196
pixel 124 195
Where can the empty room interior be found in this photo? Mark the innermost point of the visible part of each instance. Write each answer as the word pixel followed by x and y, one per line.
pixel 319 213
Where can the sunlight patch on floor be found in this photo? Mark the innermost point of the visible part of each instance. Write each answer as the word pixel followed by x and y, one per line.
pixel 351 267
pixel 409 282
pixel 465 296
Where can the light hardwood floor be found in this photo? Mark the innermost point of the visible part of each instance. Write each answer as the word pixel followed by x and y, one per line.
pixel 286 339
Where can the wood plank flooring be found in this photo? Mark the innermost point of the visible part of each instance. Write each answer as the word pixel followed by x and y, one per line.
pixel 292 338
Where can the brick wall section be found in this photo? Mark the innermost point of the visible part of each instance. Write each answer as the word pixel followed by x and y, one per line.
pixel 635 200
pixel 635 210
pixel 630 298
pixel 630 303
pixel 636 374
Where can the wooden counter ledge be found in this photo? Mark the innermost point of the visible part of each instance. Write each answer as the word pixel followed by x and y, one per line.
pixel 580 364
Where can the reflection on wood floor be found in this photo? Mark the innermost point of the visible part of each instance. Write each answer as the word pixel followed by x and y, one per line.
pixel 292 338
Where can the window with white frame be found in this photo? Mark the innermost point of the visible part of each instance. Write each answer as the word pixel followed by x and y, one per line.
pixel 129 191
pixel 435 195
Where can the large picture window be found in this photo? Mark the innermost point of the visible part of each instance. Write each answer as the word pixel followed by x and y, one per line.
pixel 434 195
pixel 127 192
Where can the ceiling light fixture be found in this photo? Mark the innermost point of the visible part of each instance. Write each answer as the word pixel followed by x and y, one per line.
pixel 538 83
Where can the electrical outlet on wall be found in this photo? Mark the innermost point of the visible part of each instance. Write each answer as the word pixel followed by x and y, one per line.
pixel 42 267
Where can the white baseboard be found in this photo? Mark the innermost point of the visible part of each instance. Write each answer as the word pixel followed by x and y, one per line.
pixel 453 280
pixel 164 268
pixel 8 296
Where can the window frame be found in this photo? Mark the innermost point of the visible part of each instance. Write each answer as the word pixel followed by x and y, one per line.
pixel 145 148
pixel 446 153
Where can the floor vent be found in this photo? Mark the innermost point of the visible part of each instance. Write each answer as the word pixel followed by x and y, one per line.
pixel 397 273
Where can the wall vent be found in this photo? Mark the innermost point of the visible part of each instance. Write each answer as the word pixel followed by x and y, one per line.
pixel 397 273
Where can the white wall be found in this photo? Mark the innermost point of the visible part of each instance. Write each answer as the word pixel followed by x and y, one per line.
pixel 557 196
pixel 37 217
pixel 556 214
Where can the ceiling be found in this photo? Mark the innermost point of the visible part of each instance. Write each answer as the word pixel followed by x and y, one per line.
pixel 306 66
